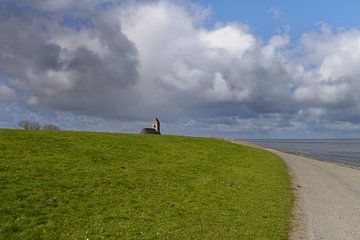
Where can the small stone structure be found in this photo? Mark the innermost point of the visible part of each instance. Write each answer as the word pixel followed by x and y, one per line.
pixel 155 124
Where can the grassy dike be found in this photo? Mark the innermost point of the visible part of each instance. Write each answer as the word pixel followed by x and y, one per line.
pixel 76 185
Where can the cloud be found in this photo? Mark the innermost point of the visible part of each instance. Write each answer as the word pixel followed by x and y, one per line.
pixel 233 39
pixel 7 95
pixel 192 66
pixel 84 70
pixel 333 81
pixel 53 6
pixel 130 60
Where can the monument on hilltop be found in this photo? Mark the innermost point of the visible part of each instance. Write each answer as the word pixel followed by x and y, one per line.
pixel 155 128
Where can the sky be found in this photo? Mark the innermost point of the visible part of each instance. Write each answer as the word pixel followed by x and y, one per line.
pixel 236 69
pixel 300 16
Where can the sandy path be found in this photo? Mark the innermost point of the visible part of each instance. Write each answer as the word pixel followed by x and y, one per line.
pixel 328 199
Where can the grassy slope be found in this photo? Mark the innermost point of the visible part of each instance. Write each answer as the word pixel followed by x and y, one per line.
pixel 71 185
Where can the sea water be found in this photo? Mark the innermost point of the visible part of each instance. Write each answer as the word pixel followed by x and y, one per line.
pixel 341 151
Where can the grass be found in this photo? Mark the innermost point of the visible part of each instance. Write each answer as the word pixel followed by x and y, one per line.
pixel 74 185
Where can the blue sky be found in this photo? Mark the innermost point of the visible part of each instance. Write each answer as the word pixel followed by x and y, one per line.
pixel 301 15
pixel 250 69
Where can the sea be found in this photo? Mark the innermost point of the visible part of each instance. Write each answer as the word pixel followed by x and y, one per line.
pixel 340 151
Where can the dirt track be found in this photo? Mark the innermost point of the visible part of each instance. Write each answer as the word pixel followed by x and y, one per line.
pixel 328 199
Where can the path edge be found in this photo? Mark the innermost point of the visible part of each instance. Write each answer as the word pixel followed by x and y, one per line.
pixel 298 225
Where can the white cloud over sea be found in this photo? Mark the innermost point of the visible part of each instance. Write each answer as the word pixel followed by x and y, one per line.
pixel 113 65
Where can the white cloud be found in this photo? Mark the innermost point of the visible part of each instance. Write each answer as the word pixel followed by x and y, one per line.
pixel 276 42
pixel 182 60
pixel 336 95
pixel 234 39
pixel 221 91
pixel 334 81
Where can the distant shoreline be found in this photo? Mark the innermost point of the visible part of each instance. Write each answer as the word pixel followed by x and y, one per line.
pixel 328 157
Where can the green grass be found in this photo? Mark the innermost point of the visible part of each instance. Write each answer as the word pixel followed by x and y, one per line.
pixel 73 185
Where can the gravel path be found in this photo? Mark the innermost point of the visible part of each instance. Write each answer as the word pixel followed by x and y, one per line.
pixel 328 199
